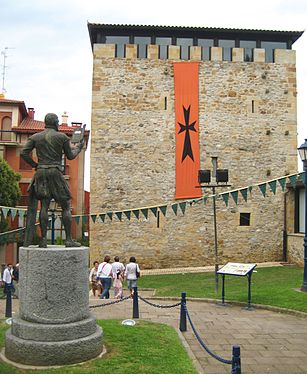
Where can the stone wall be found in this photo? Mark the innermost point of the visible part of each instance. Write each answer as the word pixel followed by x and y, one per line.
pixel 247 114
pixel 295 244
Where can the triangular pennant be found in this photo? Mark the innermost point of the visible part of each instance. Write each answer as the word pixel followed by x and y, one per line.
pixel 119 215
pixel 282 183
pixel 205 198
pixel 154 211
pixel 163 209
pixel 20 218
pixel 293 179
pixel 262 188
pixel 250 188
pixel 77 219
pixel 84 219
pixel 244 193
pixel 102 216
pixel 13 213
pixel 136 212
pixel 234 195
pixel 127 213
pixel 175 208
pixel 272 185
pixel 183 206
pixel 145 212
pixel 301 177
pixel 94 217
pixel 110 215
pixel 5 212
pixel 225 197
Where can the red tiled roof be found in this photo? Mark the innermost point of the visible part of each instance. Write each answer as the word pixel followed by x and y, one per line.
pixel 29 125
pixel 19 103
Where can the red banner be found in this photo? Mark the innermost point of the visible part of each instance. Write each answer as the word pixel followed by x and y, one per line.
pixel 187 129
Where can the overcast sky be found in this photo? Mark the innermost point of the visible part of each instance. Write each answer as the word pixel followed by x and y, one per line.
pixel 49 57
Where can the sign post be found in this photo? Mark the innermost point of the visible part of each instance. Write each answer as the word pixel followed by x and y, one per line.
pixel 239 270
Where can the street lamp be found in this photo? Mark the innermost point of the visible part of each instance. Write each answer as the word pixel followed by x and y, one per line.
pixel 302 150
pixel 52 208
pixel 221 179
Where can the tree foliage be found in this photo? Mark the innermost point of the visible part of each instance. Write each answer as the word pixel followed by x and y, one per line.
pixel 9 187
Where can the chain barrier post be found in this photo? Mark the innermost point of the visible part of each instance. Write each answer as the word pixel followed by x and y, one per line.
pixel 236 360
pixel 8 305
pixel 183 315
pixel 135 313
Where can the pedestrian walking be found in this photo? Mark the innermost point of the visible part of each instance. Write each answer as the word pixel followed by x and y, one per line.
pixel 105 277
pixel 132 273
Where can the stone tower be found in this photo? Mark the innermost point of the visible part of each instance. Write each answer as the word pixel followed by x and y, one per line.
pixel 247 124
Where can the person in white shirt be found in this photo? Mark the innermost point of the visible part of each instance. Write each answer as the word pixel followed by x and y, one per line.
pixel 132 273
pixel 7 278
pixel 117 266
pixel 104 274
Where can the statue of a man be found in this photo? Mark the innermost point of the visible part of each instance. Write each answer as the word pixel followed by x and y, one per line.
pixel 48 182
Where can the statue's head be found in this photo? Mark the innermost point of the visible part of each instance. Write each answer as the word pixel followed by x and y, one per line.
pixel 51 121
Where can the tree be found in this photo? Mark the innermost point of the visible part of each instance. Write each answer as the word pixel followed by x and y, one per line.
pixel 9 187
pixel 9 191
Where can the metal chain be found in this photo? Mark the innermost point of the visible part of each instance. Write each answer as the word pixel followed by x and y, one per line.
pixel 157 305
pixel 111 302
pixel 229 362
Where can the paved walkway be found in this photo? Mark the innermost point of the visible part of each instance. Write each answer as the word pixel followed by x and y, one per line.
pixel 270 342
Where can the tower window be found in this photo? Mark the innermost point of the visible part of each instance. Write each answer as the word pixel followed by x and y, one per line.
pixel 245 219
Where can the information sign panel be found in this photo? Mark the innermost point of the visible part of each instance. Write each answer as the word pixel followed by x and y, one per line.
pixel 235 268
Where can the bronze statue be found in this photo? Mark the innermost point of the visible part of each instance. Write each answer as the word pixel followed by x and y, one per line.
pixel 48 182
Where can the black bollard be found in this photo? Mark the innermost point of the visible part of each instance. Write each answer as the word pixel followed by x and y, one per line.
pixel 135 313
pixel 8 306
pixel 236 360
pixel 183 315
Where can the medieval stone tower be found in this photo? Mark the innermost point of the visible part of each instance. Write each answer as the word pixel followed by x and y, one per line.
pixel 246 115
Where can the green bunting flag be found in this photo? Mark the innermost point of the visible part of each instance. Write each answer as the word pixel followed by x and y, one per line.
pixel 154 211
pixel 183 206
pixel 175 208
pixel 234 195
pixel 5 212
pixel 244 193
pixel 77 219
pixel 102 217
pixel 250 188
pixel 272 185
pixel 205 198
pixel 282 183
pixel 127 213
pixel 163 209
pixel 119 215
pixel 94 217
pixel 136 212
pixel 13 213
pixel 225 197
pixel 262 188
pixel 84 219
pixel 293 180
pixel 110 215
pixel 301 177
pixel 145 212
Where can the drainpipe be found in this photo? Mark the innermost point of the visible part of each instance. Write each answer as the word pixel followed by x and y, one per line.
pixel 284 236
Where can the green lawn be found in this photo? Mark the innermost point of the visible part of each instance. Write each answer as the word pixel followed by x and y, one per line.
pixel 147 347
pixel 270 286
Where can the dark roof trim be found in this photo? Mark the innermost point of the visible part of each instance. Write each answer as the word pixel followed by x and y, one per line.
pixel 205 32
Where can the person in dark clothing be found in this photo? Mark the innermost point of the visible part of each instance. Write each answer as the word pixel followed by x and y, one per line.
pixel 49 182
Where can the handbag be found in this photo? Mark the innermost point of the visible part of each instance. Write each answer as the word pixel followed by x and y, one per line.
pixel 138 274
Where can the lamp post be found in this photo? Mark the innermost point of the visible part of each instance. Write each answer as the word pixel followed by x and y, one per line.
pixel 221 176
pixel 302 150
pixel 52 208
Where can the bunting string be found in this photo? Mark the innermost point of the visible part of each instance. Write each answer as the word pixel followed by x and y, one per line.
pixel 176 208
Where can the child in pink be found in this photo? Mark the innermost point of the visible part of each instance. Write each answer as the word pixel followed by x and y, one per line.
pixel 118 285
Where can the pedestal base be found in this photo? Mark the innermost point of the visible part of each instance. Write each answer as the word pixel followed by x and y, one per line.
pixel 54 326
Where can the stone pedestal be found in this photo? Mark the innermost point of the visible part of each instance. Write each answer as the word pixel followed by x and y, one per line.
pixel 54 326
